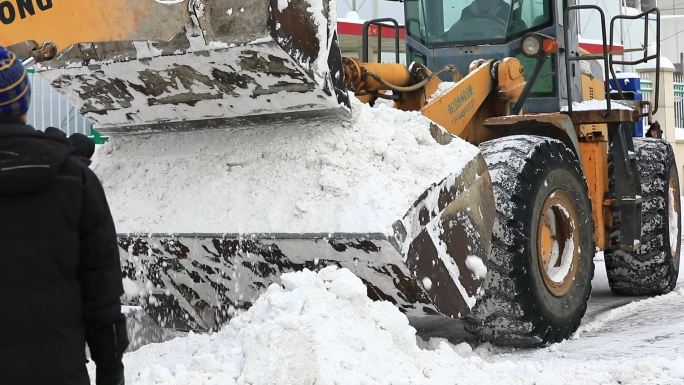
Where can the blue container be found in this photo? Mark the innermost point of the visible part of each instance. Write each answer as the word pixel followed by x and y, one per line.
pixel 640 124
pixel 629 95
pixel 628 82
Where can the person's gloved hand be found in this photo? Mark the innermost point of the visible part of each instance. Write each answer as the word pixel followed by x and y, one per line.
pixel 109 375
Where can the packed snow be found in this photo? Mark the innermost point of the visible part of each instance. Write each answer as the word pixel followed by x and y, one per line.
pixel 320 64
pixel 673 218
pixel 320 328
pixel 597 105
pixel 354 173
pixel 442 89
pixel 282 4
pixel 476 266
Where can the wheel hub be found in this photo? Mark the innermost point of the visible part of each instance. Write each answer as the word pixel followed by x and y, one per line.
pixel 558 243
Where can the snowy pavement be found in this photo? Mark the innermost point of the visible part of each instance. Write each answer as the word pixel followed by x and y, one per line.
pixel 320 328
pixel 631 326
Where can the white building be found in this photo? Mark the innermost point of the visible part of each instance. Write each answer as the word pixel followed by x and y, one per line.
pixel 372 9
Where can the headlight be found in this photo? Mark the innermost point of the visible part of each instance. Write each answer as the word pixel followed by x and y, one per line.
pixel 531 46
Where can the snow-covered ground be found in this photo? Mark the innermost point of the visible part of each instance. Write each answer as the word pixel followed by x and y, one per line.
pixel 322 329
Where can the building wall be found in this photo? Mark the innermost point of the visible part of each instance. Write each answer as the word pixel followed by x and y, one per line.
pixel 672 30
pixel 372 9
pixel 631 33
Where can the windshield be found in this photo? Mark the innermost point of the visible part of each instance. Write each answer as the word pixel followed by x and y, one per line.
pixel 468 22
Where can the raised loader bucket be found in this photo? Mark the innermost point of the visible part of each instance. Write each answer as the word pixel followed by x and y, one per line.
pixel 134 65
pixel 241 92
pixel 199 281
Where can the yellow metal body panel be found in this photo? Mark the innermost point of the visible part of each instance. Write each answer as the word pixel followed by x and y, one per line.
pixel 68 22
pixel 595 165
pixel 462 110
pixel 594 153
pixel 511 79
pixel 592 89
pixel 455 109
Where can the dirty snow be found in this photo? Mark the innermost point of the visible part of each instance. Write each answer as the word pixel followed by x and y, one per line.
pixel 320 64
pixel 146 49
pixel 351 173
pixel 602 320
pixel 261 93
pixel 320 328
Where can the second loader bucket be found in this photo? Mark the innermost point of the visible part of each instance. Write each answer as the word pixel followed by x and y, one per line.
pixel 169 65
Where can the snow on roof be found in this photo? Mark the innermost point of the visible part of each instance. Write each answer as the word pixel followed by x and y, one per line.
pixel 627 75
pixel 665 64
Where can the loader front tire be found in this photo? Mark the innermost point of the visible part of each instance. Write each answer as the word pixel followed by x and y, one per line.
pixel 653 268
pixel 541 265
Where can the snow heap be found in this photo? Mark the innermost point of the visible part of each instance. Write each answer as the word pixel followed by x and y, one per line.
pixel 351 173
pixel 442 89
pixel 320 328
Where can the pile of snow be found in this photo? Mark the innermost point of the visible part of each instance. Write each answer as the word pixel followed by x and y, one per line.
pixel 442 89
pixel 320 328
pixel 360 173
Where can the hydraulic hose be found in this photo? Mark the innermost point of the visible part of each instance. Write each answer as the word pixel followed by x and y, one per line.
pixel 414 87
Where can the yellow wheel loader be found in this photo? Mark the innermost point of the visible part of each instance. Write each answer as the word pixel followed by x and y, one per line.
pixel 558 173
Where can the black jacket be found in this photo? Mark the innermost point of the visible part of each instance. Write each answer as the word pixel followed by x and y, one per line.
pixel 60 274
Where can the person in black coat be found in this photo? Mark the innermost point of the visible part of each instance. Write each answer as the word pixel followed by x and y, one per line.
pixel 480 10
pixel 60 275
pixel 493 8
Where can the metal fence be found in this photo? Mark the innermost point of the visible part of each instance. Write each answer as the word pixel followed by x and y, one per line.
pixel 50 109
pixel 679 106
pixel 678 100
pixel 646 92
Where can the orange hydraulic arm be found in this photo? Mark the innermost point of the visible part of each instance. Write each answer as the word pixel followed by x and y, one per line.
pixel 457 106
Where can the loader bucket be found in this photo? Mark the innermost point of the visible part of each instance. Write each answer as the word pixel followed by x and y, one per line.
pixel 199 281
pixel 161 66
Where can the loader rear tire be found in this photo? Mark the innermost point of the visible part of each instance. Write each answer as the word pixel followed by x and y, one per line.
pixel 654 267
pixel 542 207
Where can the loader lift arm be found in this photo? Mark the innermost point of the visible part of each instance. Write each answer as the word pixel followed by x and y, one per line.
pixel 491 89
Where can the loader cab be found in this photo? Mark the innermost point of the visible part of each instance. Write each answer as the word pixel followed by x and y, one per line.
pixel 442 32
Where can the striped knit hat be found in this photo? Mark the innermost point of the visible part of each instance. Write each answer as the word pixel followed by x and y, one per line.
pixel 15 90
